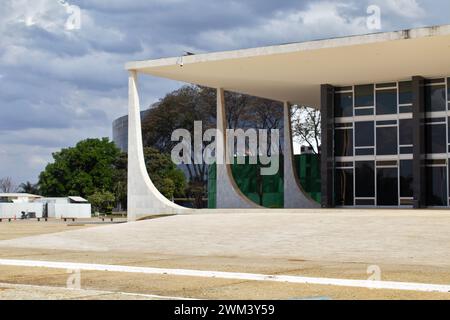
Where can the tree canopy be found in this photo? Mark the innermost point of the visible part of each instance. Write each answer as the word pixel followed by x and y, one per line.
pixel 81 170
pixel 96 167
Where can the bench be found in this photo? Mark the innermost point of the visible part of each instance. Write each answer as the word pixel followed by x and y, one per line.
pixel 65 219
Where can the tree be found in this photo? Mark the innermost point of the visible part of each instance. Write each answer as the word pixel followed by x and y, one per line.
pixel 28 187
pixel 180 108
pixel 102 201
pixel 81 170
pixel 7 185
pixel 168 179
pixel 306 126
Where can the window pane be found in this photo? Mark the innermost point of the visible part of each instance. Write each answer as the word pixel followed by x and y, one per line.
pixel 436 186
pixel 406 150
pixel 405 92
pixel 406 132
pixel 344 187
pixel 435 98
pixel 406 179
pixel 364 179
pixel 387 187
pixel 364 134
pixel 405 109
pixel 365 152
pixel 387 101
pixel 364 112
pixel 343 105
pixel 364 202
pixel 343 143
pixel 387 140
pixel 448 89
pixel 436 138
pixel 364 96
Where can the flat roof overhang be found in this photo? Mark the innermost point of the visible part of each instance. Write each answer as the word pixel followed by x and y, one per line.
pixel 294 72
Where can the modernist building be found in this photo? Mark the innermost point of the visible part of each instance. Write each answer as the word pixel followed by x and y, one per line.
pixel 385 105
pixel 120 131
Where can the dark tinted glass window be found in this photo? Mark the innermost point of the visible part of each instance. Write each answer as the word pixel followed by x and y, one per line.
pixel 387 101
pixel 448 129
pixel 406 179
pixel 405 92
pixel 448 88
pixel 387 187
pixel 364 112
pixel 365 152
pixel 344 187
pixel 364 96
pixel 436 138
pixel 364 134
pixel 364 202
pixel 343 105
pixel 435 98
pixel 406 131
pixel 343 143
pixel 405 109
pixel 364 179
pixel 386 140
pixel 406 150
pixel 436 186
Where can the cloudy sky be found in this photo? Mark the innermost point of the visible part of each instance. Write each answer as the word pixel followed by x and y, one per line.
pixel 58 86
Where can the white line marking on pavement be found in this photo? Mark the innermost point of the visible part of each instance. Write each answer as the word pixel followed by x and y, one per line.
pixel 93 292
pixel 389 285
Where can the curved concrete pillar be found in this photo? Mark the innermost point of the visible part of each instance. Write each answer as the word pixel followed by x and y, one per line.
pixel 143 197
pixel 294 196
pixel 228 196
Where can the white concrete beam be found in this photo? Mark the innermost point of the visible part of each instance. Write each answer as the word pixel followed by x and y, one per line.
pixel 144 199
pixel 294 196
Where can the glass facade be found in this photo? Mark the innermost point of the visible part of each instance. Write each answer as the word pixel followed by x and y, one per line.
pixel 373 144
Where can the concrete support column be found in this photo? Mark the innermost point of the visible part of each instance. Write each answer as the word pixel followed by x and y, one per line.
pixel 143 197
pixel 419 151
pixel 228 195
pixel 294 196
pixel 327 149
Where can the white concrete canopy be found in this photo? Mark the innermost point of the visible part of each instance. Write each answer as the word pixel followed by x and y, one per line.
pixel 294 72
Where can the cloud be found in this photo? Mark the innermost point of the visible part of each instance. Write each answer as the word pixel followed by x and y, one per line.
pixel 59 86
pixel 316 20
pixel 404 8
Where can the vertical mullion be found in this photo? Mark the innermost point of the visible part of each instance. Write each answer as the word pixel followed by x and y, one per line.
pixel 354 161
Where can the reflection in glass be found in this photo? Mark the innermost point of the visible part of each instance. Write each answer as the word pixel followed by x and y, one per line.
pixel 387 101
pixel 406 132
pixel 343 186
pixel 387 187
pixel 436 138
pixel 364 134
pixel 343 143
pixel 436 186
pixel 364 179
pixel 406 179
pixel 343 105
pixel 435 98
pixel 364 95
pixel 405 92
pixel 387 141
